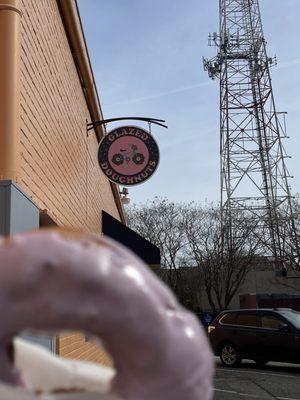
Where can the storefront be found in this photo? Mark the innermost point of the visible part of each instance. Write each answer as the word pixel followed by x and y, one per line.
pixel 49 173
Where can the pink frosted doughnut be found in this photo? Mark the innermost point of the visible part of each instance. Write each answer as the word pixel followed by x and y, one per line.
pixel 51 281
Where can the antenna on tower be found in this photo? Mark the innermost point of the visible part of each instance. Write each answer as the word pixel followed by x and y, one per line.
pixel 254 175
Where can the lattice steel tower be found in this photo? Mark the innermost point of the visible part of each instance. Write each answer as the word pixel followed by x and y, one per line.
pixel 254 176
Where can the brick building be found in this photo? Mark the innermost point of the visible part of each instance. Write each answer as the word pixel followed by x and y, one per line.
pixel 49 173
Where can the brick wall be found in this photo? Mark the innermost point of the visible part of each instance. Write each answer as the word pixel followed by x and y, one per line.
pixel 59 167
pixel 76 346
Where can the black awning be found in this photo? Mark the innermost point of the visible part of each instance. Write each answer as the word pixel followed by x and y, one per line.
pixel 146 250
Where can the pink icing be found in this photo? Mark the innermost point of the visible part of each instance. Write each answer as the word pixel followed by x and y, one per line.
pixel 50 281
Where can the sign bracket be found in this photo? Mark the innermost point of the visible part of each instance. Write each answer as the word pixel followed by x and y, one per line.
pixel 93 125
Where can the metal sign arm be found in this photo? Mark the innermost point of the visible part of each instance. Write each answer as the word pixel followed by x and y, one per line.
pixel 156 121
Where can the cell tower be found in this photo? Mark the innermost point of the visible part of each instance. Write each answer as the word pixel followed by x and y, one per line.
pixel 254 176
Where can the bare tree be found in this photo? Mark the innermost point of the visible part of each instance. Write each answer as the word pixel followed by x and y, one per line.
pixel 190 235
pixel 160 221
pixel 223 269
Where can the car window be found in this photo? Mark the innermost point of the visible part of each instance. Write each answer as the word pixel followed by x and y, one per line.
pixel 247 320
pixel 228 319
pixel 270 322
pixel 293 317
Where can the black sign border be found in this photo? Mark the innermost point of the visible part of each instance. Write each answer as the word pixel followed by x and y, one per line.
pixel 154 155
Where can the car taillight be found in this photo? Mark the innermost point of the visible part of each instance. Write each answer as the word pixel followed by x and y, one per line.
pixel 210 329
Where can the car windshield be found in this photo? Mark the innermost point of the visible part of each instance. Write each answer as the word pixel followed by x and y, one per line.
pixel 293 317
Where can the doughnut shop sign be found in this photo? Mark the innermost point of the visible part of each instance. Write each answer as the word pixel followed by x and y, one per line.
pixel 128 155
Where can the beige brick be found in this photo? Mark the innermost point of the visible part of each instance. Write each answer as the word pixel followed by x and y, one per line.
pixel 54 114
pixel 59 169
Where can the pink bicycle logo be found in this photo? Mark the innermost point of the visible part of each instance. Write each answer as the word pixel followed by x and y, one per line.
pixel 127 156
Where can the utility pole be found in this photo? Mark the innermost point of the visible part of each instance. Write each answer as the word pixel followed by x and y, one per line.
pixel 254 176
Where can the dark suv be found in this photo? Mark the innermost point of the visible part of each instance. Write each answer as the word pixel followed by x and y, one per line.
pixel 261 335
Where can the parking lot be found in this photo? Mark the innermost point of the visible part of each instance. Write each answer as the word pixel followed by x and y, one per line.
pixel 274 381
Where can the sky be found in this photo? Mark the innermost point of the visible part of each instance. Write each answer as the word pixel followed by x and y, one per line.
pixel 146 57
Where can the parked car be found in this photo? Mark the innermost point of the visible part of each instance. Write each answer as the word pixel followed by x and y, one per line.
pixel 261 335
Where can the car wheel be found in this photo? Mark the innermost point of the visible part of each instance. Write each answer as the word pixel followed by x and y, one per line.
pixel 229 355
pixel 261 363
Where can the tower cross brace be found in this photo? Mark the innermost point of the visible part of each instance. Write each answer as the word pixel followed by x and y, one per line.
pixel 254 176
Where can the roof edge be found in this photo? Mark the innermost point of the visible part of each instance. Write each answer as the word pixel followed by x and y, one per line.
pixel 74 30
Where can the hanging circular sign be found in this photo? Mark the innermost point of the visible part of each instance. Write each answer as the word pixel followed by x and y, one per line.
pixel 128 155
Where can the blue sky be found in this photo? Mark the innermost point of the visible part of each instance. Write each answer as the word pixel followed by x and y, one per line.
pixel 147 61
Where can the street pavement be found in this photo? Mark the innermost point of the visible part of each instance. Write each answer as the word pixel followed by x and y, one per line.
pixel 273 381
